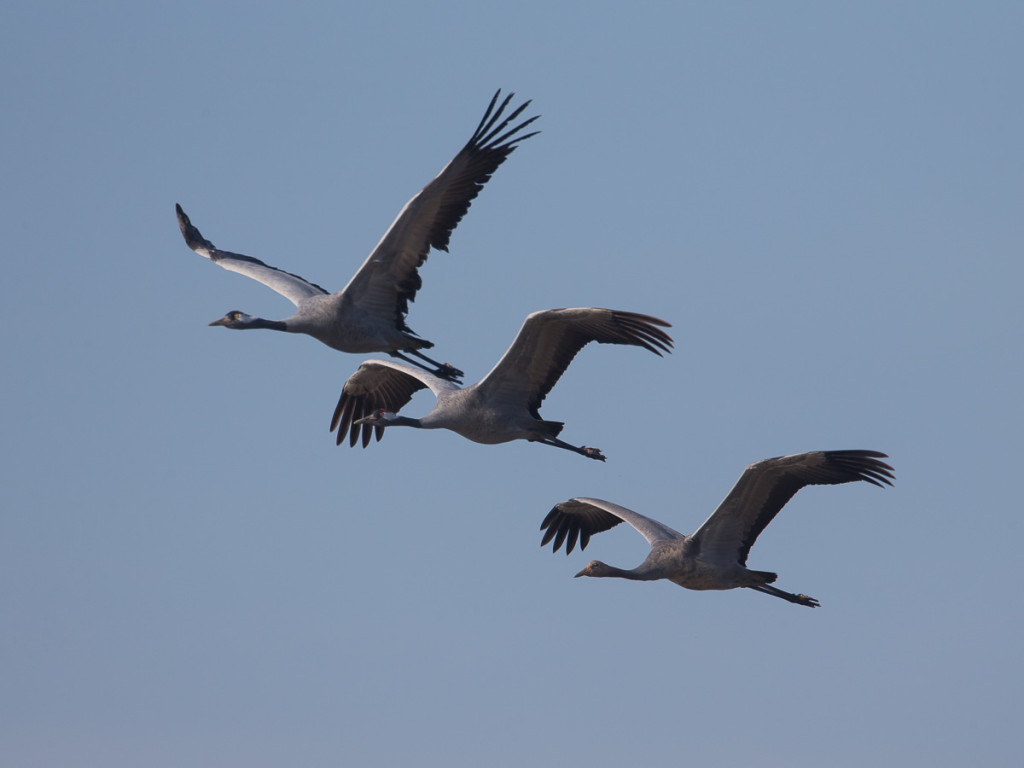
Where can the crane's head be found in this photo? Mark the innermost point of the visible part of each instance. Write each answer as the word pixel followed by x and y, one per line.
pixel 235 319
pixel 594 568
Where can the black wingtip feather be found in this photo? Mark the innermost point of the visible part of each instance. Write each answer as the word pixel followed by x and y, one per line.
pixel 644 332
pixel 560 528
pixel 865 465
pixel 501 142
pixel 489 146
pixel 193 237
pixel 336 418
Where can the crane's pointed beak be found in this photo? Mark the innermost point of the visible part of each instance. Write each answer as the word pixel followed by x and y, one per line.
pixel 371 419
pixel 222 321
pixel 581 573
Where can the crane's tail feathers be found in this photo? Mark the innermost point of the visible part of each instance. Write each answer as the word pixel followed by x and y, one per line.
pixel 551 428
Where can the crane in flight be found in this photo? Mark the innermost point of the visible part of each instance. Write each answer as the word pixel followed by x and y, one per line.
pixel 368 314
pixel 505 404
pixel 715 556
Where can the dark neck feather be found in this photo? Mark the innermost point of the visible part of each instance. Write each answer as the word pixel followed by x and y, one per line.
pixel 259 322
pixel 636 574
pixel 403 421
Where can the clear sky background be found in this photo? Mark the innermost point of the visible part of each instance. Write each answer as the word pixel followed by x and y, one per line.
pixel 827 202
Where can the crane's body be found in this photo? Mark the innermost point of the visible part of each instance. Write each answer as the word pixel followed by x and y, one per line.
pixel 715 556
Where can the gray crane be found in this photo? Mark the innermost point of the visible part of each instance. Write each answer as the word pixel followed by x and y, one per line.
pixel 368 314
pixel 715 557
pixel 504 405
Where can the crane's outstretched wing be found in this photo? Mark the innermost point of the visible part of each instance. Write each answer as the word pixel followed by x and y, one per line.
pixel 765 487
pixel 582 518
pixel 379 384
pixel 389 278
pixel 292 287
pixel 548 342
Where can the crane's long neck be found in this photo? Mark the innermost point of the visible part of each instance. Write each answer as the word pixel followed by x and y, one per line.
pixel 272 325
pixel 635 574
pixel 602 570
pixel 404 421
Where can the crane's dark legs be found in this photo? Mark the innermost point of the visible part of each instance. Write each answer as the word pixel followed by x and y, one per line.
pixel 446 371
pixel 590 453
pixel 810 602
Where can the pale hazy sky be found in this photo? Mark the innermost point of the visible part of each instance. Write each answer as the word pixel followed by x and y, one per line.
pixel 826 202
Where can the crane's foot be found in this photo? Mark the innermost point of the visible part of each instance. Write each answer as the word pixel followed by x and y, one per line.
pixel 449 371
pixel 592 453
pixel 810 602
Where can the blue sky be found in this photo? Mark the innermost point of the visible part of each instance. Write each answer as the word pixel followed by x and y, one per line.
pixel 823 199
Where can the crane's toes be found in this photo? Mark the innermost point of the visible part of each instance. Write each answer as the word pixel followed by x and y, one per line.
pixel 449 371
pixel 810 602
pixel 592 453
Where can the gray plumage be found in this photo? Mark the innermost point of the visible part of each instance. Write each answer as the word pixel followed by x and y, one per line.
pixel 715 556
pixel 368 314
pixel 505 405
